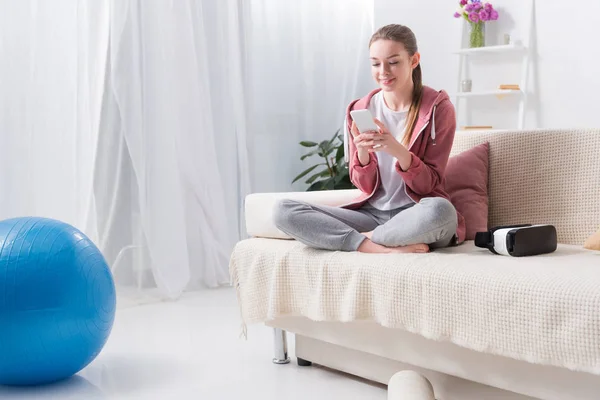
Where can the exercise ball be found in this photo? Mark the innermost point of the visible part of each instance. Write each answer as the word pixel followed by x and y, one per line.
pixel 57 301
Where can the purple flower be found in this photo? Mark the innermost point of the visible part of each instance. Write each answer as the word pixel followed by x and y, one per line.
pixel 477 6
pixel 474 17
pixel 469 7
pixel 463 2
pixel 484 15
pixel 456 15
pixel 494 15
pixel 488 7
pixel 476 1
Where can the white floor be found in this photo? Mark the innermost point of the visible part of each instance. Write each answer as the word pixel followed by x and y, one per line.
pixel 191 349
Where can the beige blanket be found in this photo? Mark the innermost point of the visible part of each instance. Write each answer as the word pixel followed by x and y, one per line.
pixel 543 309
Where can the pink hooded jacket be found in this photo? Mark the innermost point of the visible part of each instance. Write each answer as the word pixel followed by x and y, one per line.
pixel 430 145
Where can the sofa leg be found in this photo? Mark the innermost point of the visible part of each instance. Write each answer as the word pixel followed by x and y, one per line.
pixel 281 350
pixel 303 363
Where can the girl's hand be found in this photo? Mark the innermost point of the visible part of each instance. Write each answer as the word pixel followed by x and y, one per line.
pixel 368 141
pixel 381 140
pixel 360 139
pixel 393 147
pixel 362 144
pixel 386 141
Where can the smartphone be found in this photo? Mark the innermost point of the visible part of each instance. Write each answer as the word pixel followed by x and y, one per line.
pixel 364 121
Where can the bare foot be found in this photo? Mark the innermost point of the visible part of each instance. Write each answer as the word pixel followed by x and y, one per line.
pixel 367 246
pixel 412 248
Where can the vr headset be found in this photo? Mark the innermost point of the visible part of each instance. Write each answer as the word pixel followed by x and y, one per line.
pixel 518 240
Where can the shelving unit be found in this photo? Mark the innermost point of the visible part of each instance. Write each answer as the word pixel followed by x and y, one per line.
pixel 521 48
pixel 498 93
pixel 504 48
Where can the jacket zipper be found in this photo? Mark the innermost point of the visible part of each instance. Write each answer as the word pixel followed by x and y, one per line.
pixel 416 137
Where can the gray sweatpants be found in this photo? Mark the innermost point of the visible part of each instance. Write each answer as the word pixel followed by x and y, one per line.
pixel 432 221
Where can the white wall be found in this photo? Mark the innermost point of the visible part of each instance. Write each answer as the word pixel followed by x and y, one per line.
pixel 564 79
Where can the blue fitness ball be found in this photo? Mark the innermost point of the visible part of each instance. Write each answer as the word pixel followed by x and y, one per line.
pixel 57 301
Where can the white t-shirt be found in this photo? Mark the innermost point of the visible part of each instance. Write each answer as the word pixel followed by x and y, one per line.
pixel 391 193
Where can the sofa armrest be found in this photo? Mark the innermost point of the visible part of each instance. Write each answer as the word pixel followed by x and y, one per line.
pixel 259 208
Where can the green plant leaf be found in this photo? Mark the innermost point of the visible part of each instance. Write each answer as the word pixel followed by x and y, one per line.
pixel 343 181
pixel 340 154
pixel 341 176
pixel 315 176
pixel 306 172
pixel 335 135
pixel 325 146
pixel 333 152
pixel 330 185
pixel 312 153
pixel 315 186
pixel 325 174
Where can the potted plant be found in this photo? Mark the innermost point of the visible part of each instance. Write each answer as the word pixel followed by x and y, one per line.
pixel 334 174
pixel 476 14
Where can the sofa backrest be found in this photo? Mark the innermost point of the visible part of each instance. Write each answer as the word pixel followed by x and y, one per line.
pixel 543 176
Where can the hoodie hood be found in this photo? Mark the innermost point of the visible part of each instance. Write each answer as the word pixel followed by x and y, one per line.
pixel 431 99
pixel 429 102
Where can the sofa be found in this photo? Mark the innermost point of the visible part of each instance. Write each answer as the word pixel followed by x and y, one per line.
pixel 474 324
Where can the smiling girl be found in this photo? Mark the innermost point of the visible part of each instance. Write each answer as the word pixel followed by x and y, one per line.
pixel 399 168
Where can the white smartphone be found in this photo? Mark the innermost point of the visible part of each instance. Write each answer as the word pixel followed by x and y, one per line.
pixel 364 120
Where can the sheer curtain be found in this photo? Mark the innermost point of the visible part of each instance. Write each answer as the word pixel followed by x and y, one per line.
pixel 174 201
pixel 306 60
pixel 145 124
pixel 51 78
pixel 211 99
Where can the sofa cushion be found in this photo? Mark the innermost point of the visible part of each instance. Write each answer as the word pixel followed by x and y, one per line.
pixel 259 208
pixel 467 185
pixel 541 309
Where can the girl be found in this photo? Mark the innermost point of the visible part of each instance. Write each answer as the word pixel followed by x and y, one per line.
pixel 399 169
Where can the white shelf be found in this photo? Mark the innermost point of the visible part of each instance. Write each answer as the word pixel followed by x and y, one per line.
pixel 499 92
pixel 467 60
pixel 505 48
pixel 472 131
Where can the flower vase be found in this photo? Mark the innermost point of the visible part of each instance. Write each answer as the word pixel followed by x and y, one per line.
pixel 477 34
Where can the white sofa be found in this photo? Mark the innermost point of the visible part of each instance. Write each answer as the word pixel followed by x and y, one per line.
pixel 476 325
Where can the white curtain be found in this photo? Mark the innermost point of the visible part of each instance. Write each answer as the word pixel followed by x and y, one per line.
pixel 174 197
pixel 145 123
pixel 52 67
pixel 306 60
